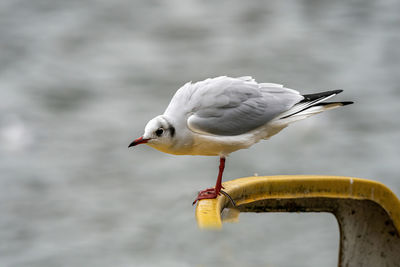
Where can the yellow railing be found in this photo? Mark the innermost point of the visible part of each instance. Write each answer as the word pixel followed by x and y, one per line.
pixel 368 212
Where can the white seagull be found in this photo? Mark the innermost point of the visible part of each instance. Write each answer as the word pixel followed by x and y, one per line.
pixel 218 116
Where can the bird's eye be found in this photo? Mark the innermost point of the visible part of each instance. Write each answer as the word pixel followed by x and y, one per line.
pixel 159 132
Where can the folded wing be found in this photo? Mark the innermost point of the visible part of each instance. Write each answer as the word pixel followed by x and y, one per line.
pixel 231 106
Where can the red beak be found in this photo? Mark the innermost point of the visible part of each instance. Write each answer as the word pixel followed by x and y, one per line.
pixel 139 141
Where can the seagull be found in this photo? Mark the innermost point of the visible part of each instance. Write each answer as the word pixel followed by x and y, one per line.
pixel 218 116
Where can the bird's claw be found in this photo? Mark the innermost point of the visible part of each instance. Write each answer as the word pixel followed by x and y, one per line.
pixel 210 193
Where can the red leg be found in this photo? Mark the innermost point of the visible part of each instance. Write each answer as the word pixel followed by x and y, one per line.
pixel 210 193
pixel 218 184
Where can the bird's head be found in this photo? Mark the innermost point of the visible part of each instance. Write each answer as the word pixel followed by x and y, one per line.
pixel 158 133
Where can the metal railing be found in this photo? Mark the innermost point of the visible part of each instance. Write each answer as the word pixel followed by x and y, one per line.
pixel 368 212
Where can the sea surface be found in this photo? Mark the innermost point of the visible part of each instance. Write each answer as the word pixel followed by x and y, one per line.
pixel 80 79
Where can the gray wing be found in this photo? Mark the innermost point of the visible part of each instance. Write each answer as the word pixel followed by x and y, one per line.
pixel 232 106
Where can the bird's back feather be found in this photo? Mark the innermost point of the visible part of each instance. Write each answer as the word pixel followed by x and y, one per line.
pixel 230 106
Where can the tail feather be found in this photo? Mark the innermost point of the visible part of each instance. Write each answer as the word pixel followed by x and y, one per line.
pixel 320 107
pixel 313 104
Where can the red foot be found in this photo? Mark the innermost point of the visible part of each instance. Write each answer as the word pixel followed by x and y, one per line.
pixel 209 193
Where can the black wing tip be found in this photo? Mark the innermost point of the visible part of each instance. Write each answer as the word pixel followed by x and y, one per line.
pixel 311 97
pixel 334 92
pixel 345 103
pixel 342 103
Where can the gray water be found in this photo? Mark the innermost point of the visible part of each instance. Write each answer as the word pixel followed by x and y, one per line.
pixel 79 80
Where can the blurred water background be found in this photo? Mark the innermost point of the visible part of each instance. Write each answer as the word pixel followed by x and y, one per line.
pixel 79 80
